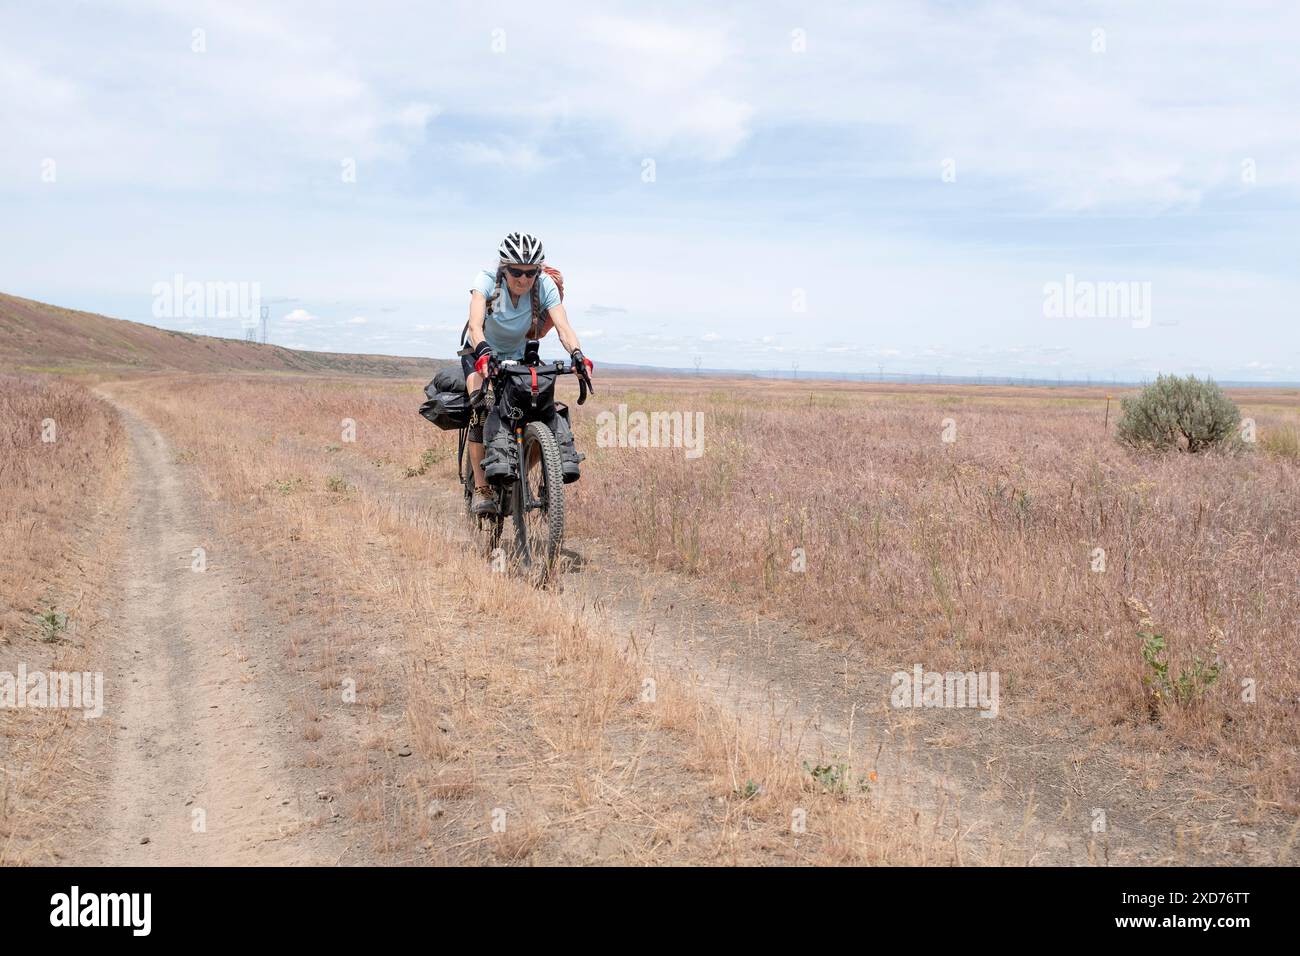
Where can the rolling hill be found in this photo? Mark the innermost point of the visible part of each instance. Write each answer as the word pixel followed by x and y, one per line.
pixel 35 336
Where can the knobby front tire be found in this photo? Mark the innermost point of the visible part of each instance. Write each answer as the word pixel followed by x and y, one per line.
pixel 539 531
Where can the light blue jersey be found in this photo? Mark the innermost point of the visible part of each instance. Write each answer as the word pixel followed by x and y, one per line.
pixel 506 328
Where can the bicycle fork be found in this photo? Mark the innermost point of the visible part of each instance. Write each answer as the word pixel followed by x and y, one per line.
pixel 525 493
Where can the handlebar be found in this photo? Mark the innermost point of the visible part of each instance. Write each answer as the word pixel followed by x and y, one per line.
pixel 497 369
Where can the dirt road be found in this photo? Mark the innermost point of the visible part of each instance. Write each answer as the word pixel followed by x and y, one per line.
pixel 197 763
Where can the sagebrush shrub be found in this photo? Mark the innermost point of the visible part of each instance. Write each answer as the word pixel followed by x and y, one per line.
pixel 1184 413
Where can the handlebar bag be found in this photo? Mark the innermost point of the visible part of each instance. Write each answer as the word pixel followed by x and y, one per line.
pixel 531 390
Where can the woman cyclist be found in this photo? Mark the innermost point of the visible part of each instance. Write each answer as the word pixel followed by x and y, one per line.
pixel 506 309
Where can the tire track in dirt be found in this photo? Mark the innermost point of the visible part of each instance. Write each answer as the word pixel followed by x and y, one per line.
pixel 196 771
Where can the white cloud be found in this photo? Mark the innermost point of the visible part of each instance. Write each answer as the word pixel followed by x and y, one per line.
pixel 279 78
pixel 666 84
pixel 415 116
pixel 1011 91
pixel 299 315
pixel 520 157
pixel 358 320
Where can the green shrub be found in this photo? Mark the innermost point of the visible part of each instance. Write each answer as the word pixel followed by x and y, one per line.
pixel 1185 689
pixel 53 624
pixel 287 486
pixel 427 460
pixel 836 779
pixel 337 484
pixel 1182 413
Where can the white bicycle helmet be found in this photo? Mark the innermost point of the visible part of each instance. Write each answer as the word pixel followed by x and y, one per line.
pixel 523 248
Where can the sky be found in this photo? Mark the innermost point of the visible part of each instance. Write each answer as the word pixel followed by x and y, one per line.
pixel 849 187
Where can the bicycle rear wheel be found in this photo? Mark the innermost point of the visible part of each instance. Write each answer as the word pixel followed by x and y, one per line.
pixel 539 503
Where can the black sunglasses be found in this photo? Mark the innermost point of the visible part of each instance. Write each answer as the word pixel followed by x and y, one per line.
pixel 521 273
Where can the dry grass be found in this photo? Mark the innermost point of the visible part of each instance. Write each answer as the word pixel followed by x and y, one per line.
pixel 975 554
pixel 978 554
pixel 1283 441
pixel 57 528
pixel 53 491
pixel 481 700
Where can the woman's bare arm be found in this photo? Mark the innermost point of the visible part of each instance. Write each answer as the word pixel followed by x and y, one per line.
pixel 477 310
pixel 568 337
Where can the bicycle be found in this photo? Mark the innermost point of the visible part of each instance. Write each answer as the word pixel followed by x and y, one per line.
pixel 534 496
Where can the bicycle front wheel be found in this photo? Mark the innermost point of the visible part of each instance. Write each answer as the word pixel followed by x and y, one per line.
pixel 539 503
